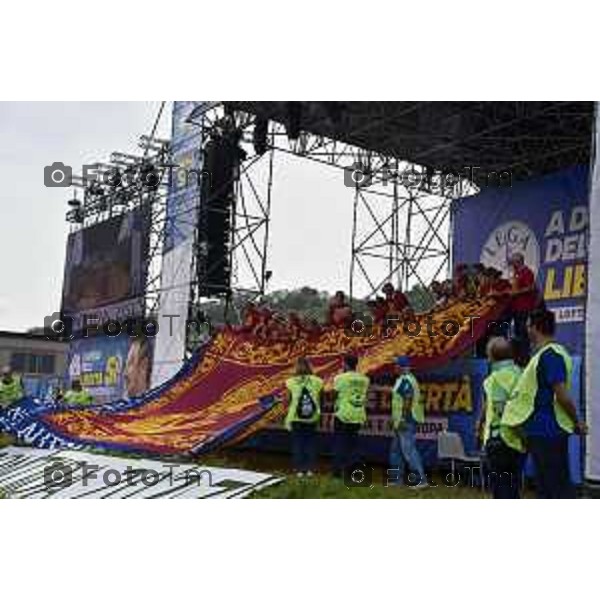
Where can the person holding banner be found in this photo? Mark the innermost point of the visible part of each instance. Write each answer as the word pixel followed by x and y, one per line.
pixel 407 411
pixel 11 388
pixel 503 451
pixel 525 298
pixel 304 393
pixel 542 411
pixel 77 395
pixel 350 392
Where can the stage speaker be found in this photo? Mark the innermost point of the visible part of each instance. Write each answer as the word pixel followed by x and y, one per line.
pixel 259 135
pixel 222 157
pixel 294 120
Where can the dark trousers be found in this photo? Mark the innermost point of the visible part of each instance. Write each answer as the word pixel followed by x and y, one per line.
pixel 521 336
pixel 345 443
pixel 551 461
pixel 504 468
pixel 304 446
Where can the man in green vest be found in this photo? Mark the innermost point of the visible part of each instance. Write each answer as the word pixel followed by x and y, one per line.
pixel 350 393
pixel 77 396
pixel 504 456
pixel 304 391
pixel 541 411
pixel 407 411
pixel 11 388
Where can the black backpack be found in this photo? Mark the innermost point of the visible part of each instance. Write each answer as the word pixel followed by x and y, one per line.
pixel 307 407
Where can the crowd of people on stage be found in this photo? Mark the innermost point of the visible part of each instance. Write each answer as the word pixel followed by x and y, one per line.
pixel 469 282
pixel 526 411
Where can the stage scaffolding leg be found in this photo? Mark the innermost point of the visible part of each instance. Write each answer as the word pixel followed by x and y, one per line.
pixel 387 217
pixel 354 226
pixel 264 277
pixel 407 241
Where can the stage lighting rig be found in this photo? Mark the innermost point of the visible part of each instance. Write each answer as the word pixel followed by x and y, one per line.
pixel 75 212
pixel 154 144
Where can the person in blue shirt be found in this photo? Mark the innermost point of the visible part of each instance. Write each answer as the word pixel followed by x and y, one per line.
pixel 547 441
pixel 407 411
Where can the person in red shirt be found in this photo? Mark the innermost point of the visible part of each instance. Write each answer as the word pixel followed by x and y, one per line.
pixel 525 298
pixel 494 286
pixel 339 310
pixel 378 308
pixel 484 283
pixel 437 292
pixel 395 300
pixel 250 317
pixel 460 281
pixel 262 327
pixel 500 287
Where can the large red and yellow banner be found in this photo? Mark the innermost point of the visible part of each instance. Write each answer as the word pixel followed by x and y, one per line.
pixel 233 388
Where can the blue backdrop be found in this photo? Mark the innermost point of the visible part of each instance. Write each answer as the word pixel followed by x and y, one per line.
pixel 545 219
pixel 99 363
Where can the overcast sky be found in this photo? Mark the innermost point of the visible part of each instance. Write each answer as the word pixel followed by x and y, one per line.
pixel 311 212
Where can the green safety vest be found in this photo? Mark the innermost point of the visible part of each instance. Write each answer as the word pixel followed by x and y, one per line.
pixel 82 398
pixel 417 409
pixel 522 401
pixel 351 400
pixel 10 392
pixel 305 392
pixel 498 387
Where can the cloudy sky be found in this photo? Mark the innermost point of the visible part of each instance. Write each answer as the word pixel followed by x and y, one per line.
pixel 311 211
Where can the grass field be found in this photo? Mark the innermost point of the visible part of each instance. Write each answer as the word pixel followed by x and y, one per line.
pixel 323 485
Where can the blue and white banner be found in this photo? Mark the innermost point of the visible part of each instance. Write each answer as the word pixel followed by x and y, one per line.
pixel 547 221
pixel 99 363
pixel 181 223
pixel 186 156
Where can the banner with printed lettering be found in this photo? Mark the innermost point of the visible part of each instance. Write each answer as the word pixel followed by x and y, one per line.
pixel 110 368
pixel 233 386
pixel 546 220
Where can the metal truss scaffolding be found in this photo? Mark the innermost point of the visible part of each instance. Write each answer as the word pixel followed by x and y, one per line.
pixel 394 157
pixel 400 217
pixel 124 183
pixel 250 212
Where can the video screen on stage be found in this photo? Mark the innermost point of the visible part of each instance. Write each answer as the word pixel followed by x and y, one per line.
pixel 105 263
